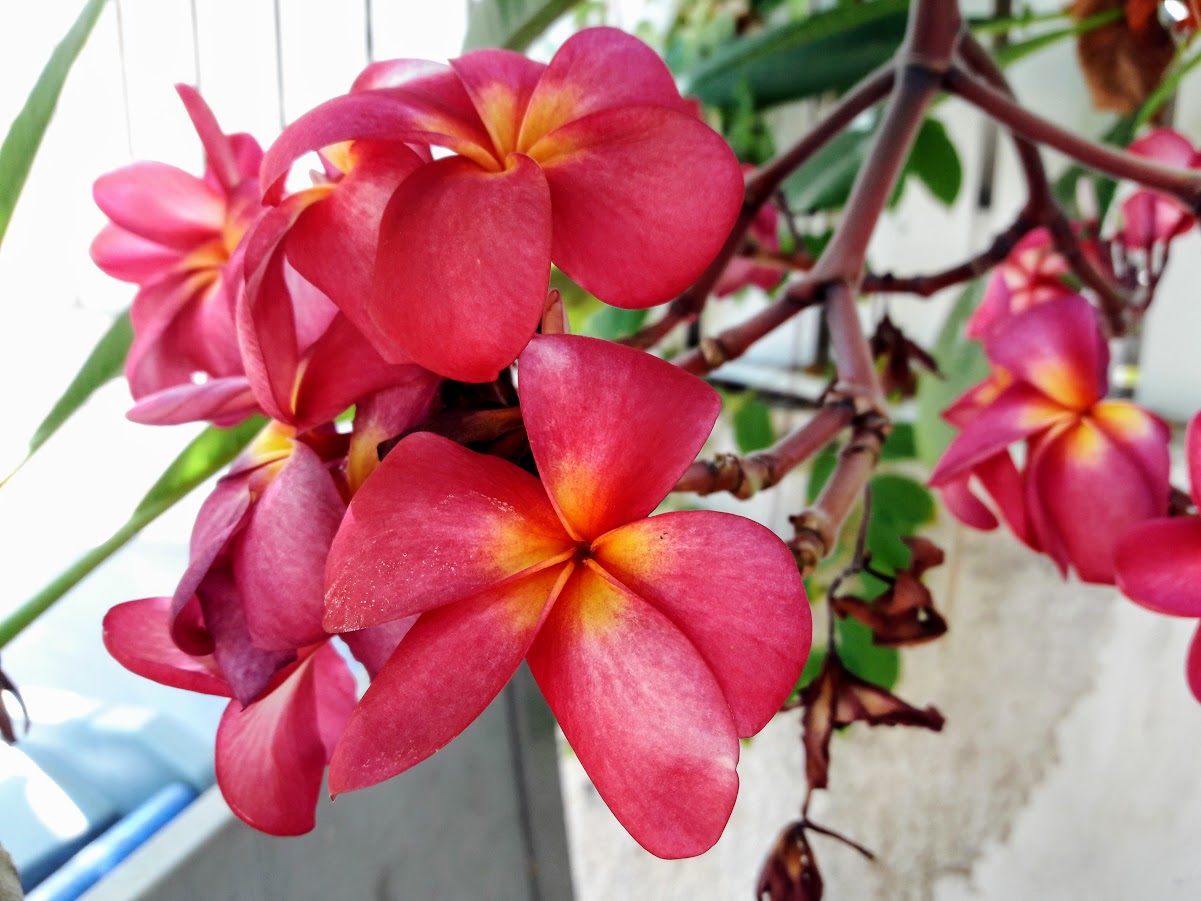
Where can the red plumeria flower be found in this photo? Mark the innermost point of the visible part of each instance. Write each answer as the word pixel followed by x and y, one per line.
pixel 1093 466
pixel 1149 217
pixel 1159 561
pixel 593 161
pixel 658 642
pixel 175 236
pixel 1031 274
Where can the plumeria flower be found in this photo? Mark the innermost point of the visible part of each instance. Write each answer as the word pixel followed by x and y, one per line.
pixel 593 161
pixel 1031 274
pixel 176 237
pixel 1093 467
pixel 1159 561
pixel 658 642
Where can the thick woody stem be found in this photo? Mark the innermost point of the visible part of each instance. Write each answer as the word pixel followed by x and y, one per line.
pixel 743 476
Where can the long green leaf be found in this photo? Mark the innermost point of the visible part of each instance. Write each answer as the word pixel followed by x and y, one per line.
pixel 828 51
pixel 207 454
pixel 510 24
pixel 935 161
pixel 25 135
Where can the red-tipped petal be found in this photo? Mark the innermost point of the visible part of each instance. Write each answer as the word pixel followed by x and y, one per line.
pixel 435 523
pixel 643 198
pixel 449 667
pixel 643 712
pixel 138 635
pixel 279 560
pixel 464 259
pixel 612 428
pixel 271 755
pixel 162 204
pixel 598 69
pixel 1159 565
pixel 751 625
pixel 1057 347
pixel 124 255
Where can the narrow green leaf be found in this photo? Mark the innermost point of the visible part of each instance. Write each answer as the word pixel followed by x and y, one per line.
pixel 820 470
pixel 25 135
pixel 827 51
pixel 207 454
pixel 935 161
pixel 614 323
pixel 1011 53
pixel 510 24
pixel 753 429
pixel 962 364
pixel 825 180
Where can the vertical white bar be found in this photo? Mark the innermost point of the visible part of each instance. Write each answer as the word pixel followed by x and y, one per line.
pixel 321 54
pixel 417 29
pixel 236 41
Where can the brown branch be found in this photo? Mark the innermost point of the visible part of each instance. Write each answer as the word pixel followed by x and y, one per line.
pixel 743 476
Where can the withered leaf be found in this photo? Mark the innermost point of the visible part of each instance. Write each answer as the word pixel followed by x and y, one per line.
pixel 837 697
pixel 905 614
pixel 7 732
pixel 1125 60
pixel 790 871
pixel 897 355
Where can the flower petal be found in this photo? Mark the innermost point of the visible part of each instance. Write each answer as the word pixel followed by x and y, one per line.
pixel 1192 453
pixel 1193 666
pixel 372 647
pixel 435 523
pixel 394 411
pixel 612 428
pixel 1057 347
pixel 271 755
pixel 1159 565
pixel 138 635
pixel 643 198
pixel 162 204
pixel 499 83
pixel 448 668
pixel 279 559
pixel 751 625
pixel 224 401
pixel 218 150
pixel 124 255
pixel 643 712
pixel 463 266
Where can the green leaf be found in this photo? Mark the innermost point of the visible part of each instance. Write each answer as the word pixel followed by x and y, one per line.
pixel 900 506
pixel 824 181
pixel 962 364
pixel 827 51
pixel 753 429
pixel 103 364
pixel 820 470
pixel 901 443
pixel 510 24
pixel 935 161
pixel 207 454
pixel 25 135
pixel 614 323
pixel 878 665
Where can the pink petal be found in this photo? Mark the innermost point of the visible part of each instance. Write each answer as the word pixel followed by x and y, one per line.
pixel 218 151
pixel 1057 347
pixel 612 428
pixel 1148 217
pixel 1193 666
pixel 391 412
pixel 279 560
pixel 124 255
pixel 995 306
pixel 1143 438
pixel 138 635
pixel 751 625
pixel 463 266
pixel 1167 147
pixel 643 712
pixel 1159 565
pixel 162 204
pixel 598 69
pixel 224 401
pixel 271 755
pixel 372 647
pixel 643 198
pixel 958 497
pixel 1192 452
pixel 1000 477
pixel 448 668
pixel 435 523
pixel 499 83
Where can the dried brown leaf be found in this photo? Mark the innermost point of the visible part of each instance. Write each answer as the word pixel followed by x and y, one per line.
pixel 1125 60
pixel 790 871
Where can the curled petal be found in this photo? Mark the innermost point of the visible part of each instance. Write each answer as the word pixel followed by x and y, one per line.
pixel 612 429
pixel 124 255
pixel 958 497
pixel 643 712
pixel 463 265
pixel 1159 565
pixel 752 626
pixel 643 198
pixel 218 149
pixel 271 755
pixel 138 635
pixel 162 204
pixel 435 523
pixel 224 402
pixel 438 681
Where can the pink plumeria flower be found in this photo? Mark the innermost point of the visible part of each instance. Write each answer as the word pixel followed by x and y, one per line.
pixel 1159 561
pixel 1148 217
pixel 658 642
pixel 593 161
pixel 1031 274
pixel 1093 466
pixel 176 237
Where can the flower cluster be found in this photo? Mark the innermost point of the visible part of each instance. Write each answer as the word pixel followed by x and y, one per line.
pixel 489 501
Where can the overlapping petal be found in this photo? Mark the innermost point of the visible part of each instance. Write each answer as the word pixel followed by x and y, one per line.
pixel 435 523
pixel 162 204
pixel 124 255
pixel 589 407
pixel 138 635
pixel 643 712
pixel 499 83
pixel 1159 565
pixel 750 624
